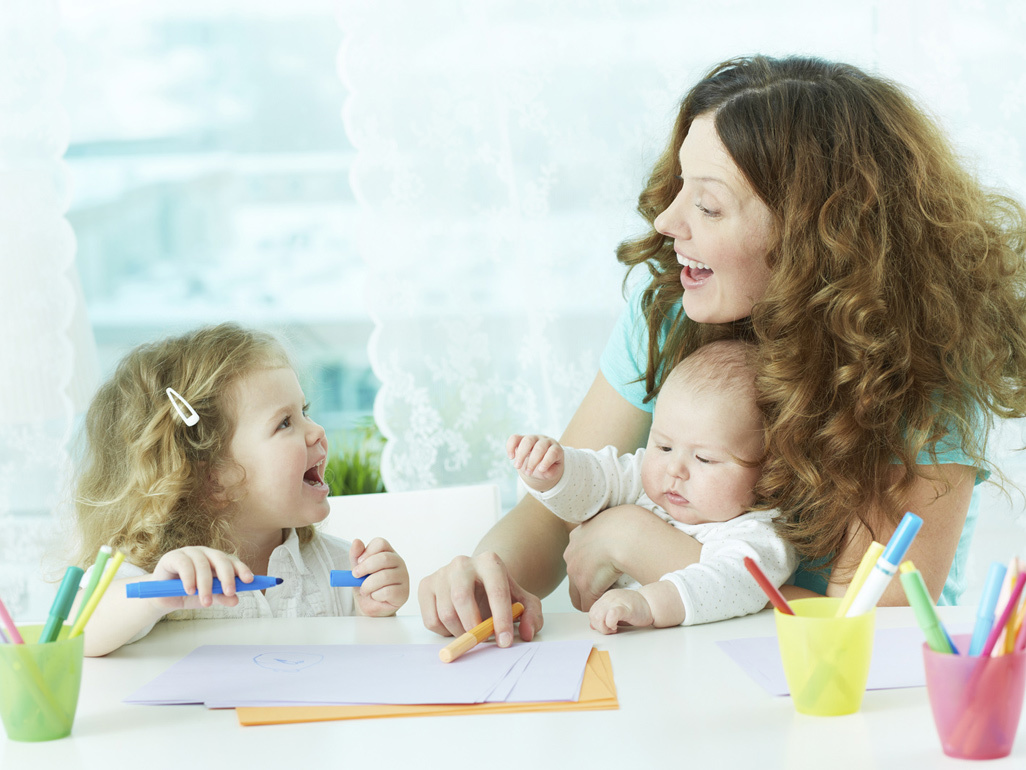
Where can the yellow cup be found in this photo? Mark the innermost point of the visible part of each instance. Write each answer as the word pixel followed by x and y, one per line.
pixel 826 659
pixel 39 685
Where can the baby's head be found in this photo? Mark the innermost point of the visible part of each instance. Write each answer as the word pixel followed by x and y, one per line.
pixel 148 481
pixel 706 444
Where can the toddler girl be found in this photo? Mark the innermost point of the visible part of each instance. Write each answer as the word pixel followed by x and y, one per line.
pixel 201 462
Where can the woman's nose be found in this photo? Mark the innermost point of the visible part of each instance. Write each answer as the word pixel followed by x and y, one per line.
pixel 671 221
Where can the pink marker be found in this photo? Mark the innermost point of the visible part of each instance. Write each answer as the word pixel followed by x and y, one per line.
pixel 8 621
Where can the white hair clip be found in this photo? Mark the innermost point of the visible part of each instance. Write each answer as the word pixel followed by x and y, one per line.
pixel 189 419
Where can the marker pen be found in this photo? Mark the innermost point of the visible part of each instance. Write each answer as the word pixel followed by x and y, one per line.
pixel 344 577
pixel 922 606
pixel 885 567
pixel 94 577
pixel 61 604
pixel 988 606
pixel 151 589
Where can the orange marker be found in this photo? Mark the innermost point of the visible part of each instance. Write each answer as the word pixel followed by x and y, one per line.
pixel 474 637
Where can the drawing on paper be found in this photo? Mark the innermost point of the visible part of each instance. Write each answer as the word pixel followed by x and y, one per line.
pixel 287 662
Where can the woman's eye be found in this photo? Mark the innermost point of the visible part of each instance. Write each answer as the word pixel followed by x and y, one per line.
pixel 707 212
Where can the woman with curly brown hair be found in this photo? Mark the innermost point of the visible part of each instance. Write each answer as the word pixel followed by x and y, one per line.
pixel 817 211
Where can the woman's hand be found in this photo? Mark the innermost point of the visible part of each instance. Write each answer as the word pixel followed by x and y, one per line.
pixel 387 586
pixel 520 558
pixel 625 540
pixel 197 566
pixel 469 589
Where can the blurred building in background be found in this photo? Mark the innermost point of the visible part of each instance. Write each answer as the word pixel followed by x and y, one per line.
pixel 210 183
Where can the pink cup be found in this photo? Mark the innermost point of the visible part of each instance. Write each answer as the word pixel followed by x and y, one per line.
pixel 976 701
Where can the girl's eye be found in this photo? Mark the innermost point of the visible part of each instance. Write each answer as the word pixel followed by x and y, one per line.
pixel 664 449
pixel 702 459
pixel 306 410
pixel 287 422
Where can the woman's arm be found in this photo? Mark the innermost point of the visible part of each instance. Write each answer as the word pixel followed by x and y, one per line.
pixel 941 498
pixel 624 540
pixel 521 557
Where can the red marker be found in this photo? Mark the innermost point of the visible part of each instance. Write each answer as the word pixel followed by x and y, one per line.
pixel 776 598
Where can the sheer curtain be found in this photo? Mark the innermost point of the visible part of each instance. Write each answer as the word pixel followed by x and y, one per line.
pixel 501 147
pixel 41 318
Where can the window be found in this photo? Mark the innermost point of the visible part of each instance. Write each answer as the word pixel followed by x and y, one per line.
pixel 210 176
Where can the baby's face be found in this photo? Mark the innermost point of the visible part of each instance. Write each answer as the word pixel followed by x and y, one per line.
pixel 691 467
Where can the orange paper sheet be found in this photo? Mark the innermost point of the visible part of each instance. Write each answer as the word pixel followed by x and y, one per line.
pixel 598 692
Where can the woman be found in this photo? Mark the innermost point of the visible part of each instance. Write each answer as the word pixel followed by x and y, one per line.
pixel 816 210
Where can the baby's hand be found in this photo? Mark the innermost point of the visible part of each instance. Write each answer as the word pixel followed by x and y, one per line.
pixel 619 606
pixel 538 459
pixel 197 566
pixel 387 586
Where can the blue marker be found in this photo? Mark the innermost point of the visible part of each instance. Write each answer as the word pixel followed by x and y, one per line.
pixel 151 589
pixel 344 577
pixel 886 566
pixel 988 603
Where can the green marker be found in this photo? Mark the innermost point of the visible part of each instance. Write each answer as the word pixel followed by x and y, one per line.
pixel 61 605
pixel 922 606
pixel 94 577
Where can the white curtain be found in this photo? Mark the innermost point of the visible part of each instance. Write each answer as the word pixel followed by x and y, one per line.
pixel 42 324
pixel 501 147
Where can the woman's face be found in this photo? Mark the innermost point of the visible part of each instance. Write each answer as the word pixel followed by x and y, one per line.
pixel 721 231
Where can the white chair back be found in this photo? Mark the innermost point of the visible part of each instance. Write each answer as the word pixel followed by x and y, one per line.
pixel 426 527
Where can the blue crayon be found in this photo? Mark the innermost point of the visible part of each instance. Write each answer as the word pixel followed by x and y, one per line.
pixel 151 589
pixel 344 577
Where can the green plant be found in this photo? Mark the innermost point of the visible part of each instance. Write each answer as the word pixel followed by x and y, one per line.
pixel 354 468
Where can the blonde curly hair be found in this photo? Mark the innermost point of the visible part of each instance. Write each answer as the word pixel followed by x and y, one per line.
pixel 895 317
pixel 146 481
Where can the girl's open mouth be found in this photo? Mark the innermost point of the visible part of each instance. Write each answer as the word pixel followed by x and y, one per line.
pixel 314 476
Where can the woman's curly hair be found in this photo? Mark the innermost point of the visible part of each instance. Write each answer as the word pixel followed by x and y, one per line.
pixel 146 484
pixel 894 321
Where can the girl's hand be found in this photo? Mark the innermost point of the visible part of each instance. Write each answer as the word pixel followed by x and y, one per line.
pixel 619 607
pixel 538 460
pixel 469 589
pixel 197 566
pixel 387 586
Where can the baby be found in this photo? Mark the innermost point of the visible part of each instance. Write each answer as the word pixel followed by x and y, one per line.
pixel 697 473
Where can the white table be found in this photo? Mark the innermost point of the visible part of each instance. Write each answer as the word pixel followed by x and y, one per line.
pixel 683 703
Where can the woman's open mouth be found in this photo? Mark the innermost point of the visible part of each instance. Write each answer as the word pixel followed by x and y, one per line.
pixel 694 271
